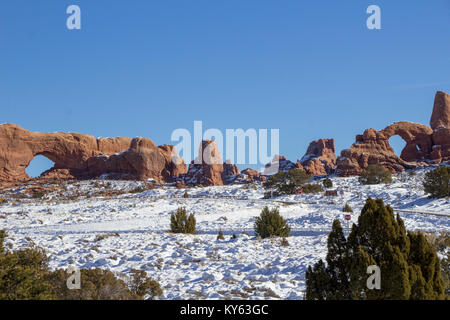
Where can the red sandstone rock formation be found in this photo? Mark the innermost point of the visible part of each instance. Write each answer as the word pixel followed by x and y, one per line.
pixel 441 111
pixel 250 175
pixel 230 172
pixel 82 156
pixel 207 169
pixel 417 137
pixel 371 147
pixel 423 144
pixel 440 123
pixel 320 158
pixel 280 163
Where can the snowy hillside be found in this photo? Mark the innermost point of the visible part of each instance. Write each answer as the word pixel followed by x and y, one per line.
pixel 130 230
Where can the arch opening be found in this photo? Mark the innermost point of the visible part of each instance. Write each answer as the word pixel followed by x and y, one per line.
pixel 39 165
pixel 398 144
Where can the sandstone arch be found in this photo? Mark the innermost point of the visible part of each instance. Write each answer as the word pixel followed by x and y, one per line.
pixel 39 165
pixel 417 137
pixel 424 145
pixel 82 156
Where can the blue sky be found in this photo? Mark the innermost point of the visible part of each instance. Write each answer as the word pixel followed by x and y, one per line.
pixel 144 68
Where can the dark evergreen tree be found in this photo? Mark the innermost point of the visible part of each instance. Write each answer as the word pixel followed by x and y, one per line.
pixel 347 208
pixel 220 235
pixel 271 224
pixel 317 282
pixel 409 265
pixel 286 182
pixel 437 182
pixel 337 262
pixel 327 183
pixel 375 174
pixel 181 223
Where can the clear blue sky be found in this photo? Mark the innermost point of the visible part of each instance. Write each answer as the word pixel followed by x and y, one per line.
pixel 144 67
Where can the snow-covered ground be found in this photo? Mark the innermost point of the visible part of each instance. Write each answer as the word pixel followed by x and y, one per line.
pixel 130 230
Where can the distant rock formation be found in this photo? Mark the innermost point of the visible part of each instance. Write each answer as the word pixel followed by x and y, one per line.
pixel 424 145
pixel 440 123
pixel 280 163
pixel 82 156
pixel 207 169
pixel 320 158
pixel 441 111
pixel 250 175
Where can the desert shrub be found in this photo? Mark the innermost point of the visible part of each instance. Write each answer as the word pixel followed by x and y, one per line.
pixel 38 195
pixel 271 224
pixel 25 275
pixel 220 235
pixel 181 223
pixel 437 182
pixel 283 183
pixel 99 284
pixel 409 265
pixel 327 183
pixel 347 208
pixel 441 241
pixel 186 195
pixel 411 173
pixel 138 189
pixel 375 174
pixel 2 201
pixel 284 242
pixel 143 286
pixel 312 188
pixel 233 237
pixel 96 284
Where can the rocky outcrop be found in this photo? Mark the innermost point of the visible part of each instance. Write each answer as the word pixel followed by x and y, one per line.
pixel 280 163
pixel 142 160
pixel 82 156
pixel 440 123
pixel 371 147
pixel 441 111
pixel 424 145
pixel 207 168
pixel 419 142
pixel 320 158
pixel 230 172
pixel 250 175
